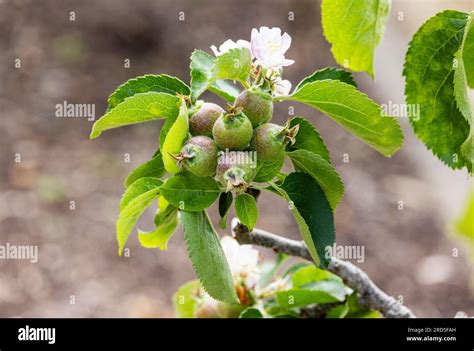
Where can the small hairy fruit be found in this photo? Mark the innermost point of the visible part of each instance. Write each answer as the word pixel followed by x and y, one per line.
pixel 202 121
pixel 256 104
pixel 199 156
pixel 235 170
pixel 269 140
pixel 232 131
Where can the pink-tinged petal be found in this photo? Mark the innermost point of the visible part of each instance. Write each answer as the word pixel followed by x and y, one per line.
pixel 287 62
pixel 275 61
pixel 257 49
pixel 274 35
pixel 272 63
pixel 281 87
pixel 285 43
pixel 264 30
pixel 285 86
pixel 261 54
pixel 255 43
pixel 254 35
pixel 268 46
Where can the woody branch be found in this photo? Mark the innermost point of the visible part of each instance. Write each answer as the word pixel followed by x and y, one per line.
pixel 372 296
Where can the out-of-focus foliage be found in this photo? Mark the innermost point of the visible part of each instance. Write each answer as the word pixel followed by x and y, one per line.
pixel 354 28
pixel 464 225
pixel 436 84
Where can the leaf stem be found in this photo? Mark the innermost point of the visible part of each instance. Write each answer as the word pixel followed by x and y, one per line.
pixel 244 84
pixel 281 98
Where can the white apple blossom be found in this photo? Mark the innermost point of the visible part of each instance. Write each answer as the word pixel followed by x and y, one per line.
pixel 228 45
pixel 242 259
pixel 269 47
pixel 281 87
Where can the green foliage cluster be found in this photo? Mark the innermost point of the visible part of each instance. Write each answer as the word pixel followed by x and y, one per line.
pixel 282 291
pixel 182 176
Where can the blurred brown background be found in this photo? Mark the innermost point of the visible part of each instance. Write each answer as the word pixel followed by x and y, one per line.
pixel 408 252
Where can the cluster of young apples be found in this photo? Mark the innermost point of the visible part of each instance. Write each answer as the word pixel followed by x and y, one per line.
pixel 243 127
pixel 221 138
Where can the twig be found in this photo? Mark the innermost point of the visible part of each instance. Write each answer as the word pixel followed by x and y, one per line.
pixel 352 276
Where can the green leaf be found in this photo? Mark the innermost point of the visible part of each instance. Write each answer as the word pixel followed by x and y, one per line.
pixel 139 187
pixel 461 90
pixel 308 138
pixel 328 73
pixel 152 168
pixel 166 128
pixel 251 312
pixel 235 64
pixel 322 171
pixel 313 214
pixel 462 93
pixel 189 192
pixel 463 73
pixel 162 83
pixel 315 279
pixel 225 90
pixel 166 222
pixel 303 227
pixel 269 269
pixel 185 299
pixel 294 268
pixel 202 78
pixel 357 311
pixel 354 28
pixel 207 256
pixel 467 148
pixel 338 311
pixel 429 74
pixel 225 202
pixel 142 107
pixel 316 293
pixel 247 210
pixel 268 170
pixel 311 274
pixel 131 213
pixel 175 138
pixel 468 51
pixel 354 111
